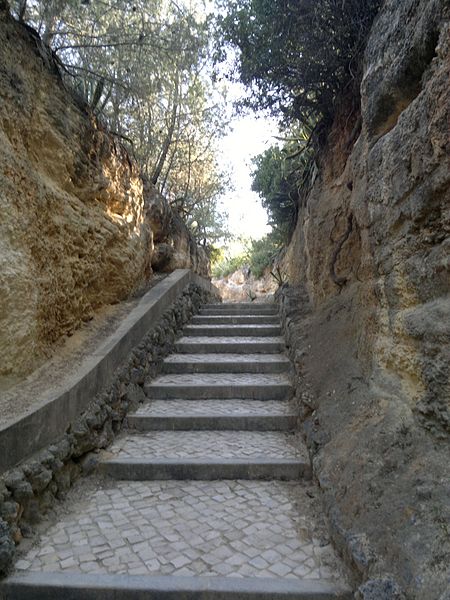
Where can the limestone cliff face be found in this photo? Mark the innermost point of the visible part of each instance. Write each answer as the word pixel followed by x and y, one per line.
pixel 368 307
pixel 76 230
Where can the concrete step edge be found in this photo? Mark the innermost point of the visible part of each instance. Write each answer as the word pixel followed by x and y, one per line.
pixel 235 320
pixel 146 469
pixel 211 312
pixel 193 347
pixel 230 331
pixel 238 305
pixel 192 367
pixel 211 422
pixel 204 392
pixel 193 399
pixel 234 326
pixel 78 586
pixel 261 385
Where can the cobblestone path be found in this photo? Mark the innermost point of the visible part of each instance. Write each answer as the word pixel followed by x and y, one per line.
pixel 207 494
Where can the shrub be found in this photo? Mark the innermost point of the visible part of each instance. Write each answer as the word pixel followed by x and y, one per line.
pixel 257 256
pixel 296 57
pixel 262 254
pixel 226 266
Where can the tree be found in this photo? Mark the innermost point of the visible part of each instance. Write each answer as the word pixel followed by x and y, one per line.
pixel 144 68
pixel 296 57
pixel 281 175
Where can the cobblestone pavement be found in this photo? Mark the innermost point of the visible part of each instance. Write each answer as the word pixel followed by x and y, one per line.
pixel 240 339
pixel 236 326
pixel 217 358
pixel 236 528
pixel 162 408
pixel 209 444
pixel 228 379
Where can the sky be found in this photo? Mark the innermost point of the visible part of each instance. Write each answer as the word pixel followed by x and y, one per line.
pixel 248 137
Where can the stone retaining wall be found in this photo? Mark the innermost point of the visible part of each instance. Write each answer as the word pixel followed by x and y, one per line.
pixel 30 489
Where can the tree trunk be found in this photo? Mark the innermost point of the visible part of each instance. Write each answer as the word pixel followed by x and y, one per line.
pixel 167 142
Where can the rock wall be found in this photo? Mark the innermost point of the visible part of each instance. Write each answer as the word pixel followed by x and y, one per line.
pixel 242 286
pixel 174 247
pixel 76 230
pixel 367 311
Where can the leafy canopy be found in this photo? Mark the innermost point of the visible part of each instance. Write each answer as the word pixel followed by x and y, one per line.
pixel 295 56
pixel 144 67
pixel 280 175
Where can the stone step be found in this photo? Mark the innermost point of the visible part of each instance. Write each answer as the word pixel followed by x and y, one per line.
pixel 237 306
pixel 232 330
pixel 203 499
pixel 226 363
pixel 220 385
pixel 80 586
pixel 238 345
pixel 159 469
pixel 208 447
pixel 211 422
pixel 216 407
pixel 181 539
pixel 263 309
pixel 235 320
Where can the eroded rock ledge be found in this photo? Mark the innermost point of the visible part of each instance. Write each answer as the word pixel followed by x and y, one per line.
pixel 79 227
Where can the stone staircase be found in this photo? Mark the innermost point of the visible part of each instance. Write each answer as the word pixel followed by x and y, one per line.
pixel 207 492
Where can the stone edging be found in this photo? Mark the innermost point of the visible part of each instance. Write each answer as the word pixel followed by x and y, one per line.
pixel 72 425
pixel 171 587
pixel 50 417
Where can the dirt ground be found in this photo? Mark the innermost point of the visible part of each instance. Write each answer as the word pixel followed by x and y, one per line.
pixel 18 397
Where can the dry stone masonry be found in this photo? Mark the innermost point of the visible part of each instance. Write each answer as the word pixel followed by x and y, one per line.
pixel 207 494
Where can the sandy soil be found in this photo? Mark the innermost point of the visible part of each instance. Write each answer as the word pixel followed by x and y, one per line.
pixel 18 397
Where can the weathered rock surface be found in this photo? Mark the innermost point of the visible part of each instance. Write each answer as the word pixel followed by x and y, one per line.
pixel 242 286
pixel 77 222
pixel 368 313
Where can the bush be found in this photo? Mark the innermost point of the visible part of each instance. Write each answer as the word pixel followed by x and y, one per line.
pixel 257 256
pixel 296 57
pixel 227 266
pixel 262 254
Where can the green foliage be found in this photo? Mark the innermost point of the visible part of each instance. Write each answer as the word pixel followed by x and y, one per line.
pixel 296 57
pixel 279 177
pixel 207 224
pixel 276 188
pixel 144 67
pixel 257 257
pixel 262 254
pixel 227 266
pixel 216 255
